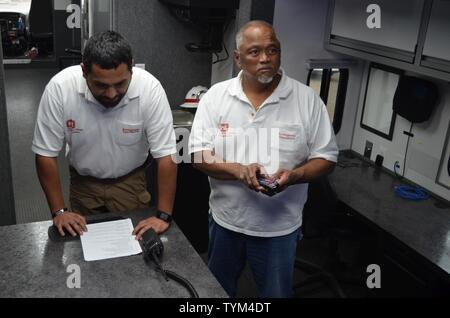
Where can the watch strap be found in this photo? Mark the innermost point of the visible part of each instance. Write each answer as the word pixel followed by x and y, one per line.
pixel 59 212
pixel 164 216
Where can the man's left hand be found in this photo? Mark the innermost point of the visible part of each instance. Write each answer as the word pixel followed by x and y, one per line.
pixel 152 222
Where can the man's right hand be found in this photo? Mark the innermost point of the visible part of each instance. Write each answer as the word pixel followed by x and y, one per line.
pixel 248 175
pixel 72 222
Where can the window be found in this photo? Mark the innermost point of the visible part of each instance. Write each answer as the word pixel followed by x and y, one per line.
pixel 377 114
pixel 331 85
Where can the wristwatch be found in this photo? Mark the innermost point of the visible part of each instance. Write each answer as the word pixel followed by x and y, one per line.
pixel 59 212
pixel 164 216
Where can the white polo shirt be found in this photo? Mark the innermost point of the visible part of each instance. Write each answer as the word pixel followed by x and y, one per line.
pixel 104 142
pixel 299 127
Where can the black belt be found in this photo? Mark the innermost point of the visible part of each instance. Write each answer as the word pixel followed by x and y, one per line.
pixel 113 180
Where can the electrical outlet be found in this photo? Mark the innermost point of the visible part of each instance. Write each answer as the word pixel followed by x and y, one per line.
pixel 368 149
pixel 397 167
pixel 398 163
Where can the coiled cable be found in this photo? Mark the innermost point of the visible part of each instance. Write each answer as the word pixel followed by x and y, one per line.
pixel 169 274
pixel 411 193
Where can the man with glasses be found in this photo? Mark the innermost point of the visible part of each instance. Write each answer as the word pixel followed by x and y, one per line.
pixel 111 116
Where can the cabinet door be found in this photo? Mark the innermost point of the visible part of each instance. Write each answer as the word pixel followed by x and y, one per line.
pixel 398 30
pixel 436 50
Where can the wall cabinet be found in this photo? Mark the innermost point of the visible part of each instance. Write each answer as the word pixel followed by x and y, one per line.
pixel 397 31
pixel 436 49
pixel 408 34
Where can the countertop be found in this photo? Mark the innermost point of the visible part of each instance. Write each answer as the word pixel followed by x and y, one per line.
pixel 423 226
pixel 35 266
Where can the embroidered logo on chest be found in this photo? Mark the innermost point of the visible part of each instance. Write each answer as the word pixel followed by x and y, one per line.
pixel 287 136
pixel 130 130
pixel 223 128
pixel 71 126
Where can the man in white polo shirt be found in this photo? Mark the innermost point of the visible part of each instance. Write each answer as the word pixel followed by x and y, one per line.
pixel 261 123
pixel 111 116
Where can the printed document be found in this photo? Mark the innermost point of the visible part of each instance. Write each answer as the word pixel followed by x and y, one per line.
pixel 109 240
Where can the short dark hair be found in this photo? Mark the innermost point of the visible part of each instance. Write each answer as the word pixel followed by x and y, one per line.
pixel 107 49
pixel 252 23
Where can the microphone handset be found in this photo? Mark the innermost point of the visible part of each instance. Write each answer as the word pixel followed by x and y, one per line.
pixel 153 251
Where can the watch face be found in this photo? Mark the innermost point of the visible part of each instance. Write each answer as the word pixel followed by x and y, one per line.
pixel 164 216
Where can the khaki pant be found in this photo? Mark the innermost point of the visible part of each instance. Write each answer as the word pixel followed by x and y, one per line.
pixel 90 195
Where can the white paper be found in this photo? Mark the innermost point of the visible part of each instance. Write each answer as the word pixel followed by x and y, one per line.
pixel 109 240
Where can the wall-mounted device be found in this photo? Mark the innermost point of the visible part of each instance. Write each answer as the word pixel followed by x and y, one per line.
pixel 415 98
pixel 208 17
pixel 368 149
pixel 379 160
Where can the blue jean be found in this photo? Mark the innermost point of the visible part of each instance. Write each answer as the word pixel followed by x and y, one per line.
pixel 271 260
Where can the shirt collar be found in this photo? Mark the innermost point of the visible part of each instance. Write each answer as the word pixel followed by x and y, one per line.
pixel 282 91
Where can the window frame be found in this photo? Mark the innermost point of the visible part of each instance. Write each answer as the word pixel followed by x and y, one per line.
pixel 340 94
pixel 389 135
